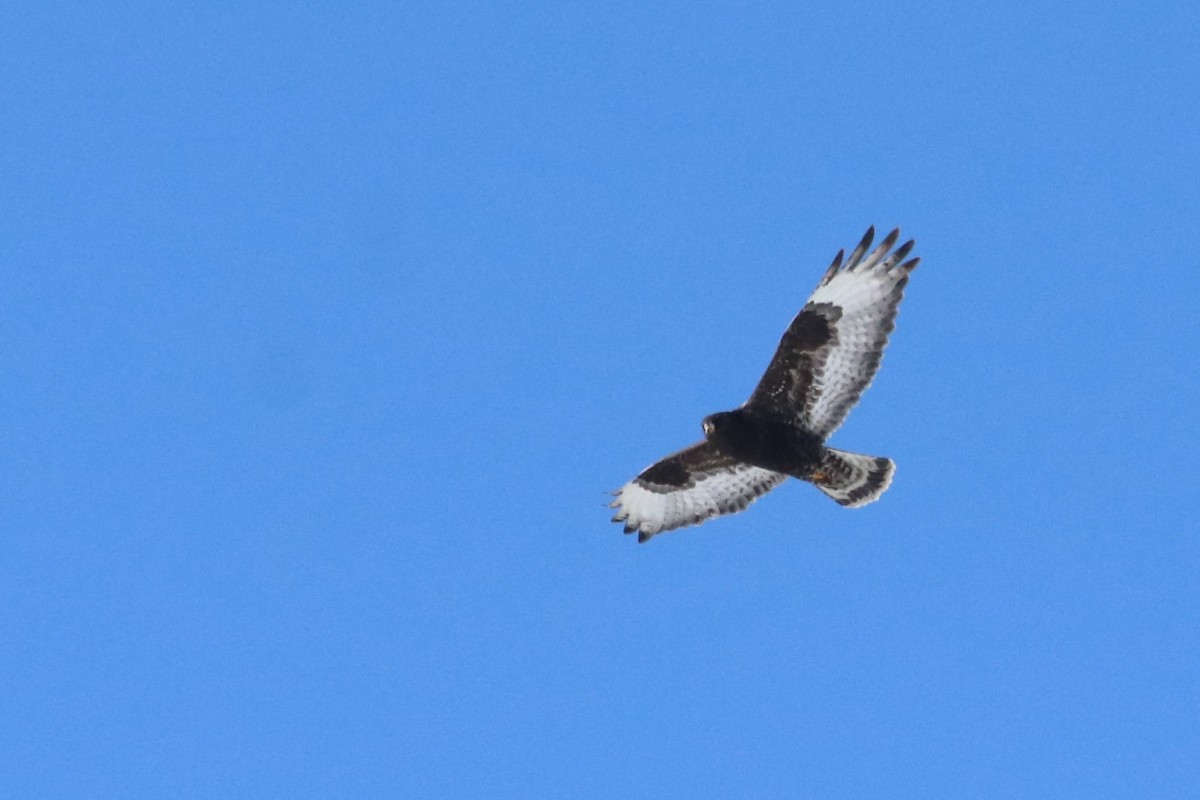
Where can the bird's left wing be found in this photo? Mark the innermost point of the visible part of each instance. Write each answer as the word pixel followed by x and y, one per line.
pixel 832 349
pixel 687 488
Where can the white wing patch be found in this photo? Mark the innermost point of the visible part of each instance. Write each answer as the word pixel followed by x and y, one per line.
pixel 868 291
pixel 650 508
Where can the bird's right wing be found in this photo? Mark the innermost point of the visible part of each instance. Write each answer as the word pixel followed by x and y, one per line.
pixel 832 349
pixel 687 488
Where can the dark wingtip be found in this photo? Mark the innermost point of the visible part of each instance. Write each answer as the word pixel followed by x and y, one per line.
pixel 644 537
pixel 898 255
pixel 865 244
pixel 861 249
pixel 910 265
pixel 877 255
pixel 833 268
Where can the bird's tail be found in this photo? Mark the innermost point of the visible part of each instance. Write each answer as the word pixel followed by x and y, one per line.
pixel 853 479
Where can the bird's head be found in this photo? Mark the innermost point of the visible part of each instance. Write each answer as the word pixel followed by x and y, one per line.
pixel 714 424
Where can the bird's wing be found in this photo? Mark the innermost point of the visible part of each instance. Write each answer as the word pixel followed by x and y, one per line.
pixel 687 488
pixel 832 349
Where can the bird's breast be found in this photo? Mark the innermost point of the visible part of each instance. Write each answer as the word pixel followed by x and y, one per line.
pixel 772 444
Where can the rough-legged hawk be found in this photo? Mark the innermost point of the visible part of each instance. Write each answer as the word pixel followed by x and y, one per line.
pixel 825 360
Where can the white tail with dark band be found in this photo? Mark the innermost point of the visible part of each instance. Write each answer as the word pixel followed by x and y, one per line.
pixel 853 479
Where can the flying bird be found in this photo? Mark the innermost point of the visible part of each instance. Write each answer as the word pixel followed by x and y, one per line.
pixel 826 359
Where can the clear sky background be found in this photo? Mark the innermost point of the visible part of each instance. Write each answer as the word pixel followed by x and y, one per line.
pixel 325 329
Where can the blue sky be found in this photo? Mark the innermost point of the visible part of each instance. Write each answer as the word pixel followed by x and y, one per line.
pixel 326 328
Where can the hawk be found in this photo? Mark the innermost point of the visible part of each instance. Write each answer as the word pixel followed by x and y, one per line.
pixel 826 359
